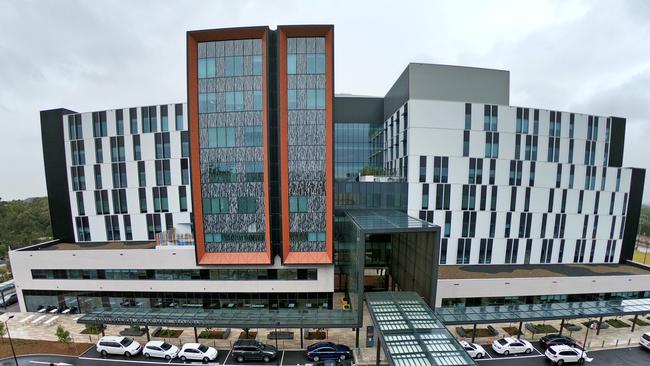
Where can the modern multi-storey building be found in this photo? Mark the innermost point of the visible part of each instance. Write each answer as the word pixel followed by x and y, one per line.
pixel 267 192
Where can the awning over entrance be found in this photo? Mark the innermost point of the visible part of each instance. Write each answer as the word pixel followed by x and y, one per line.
pixel 411 333
pixel 517 313
pixel 387 221
pixel 224 318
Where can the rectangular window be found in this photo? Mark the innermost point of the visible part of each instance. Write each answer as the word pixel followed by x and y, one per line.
pixel 160 200
pixel 163 174
pixel 119 175
pixel 254 171
pixel 225 172
pixel 222 137
pixel 558 176
pixel 133 118
pixel 142 175
pixel 101 203
pixel 142 195
pixel 99 124
pixel 119 201
pixel 81 210
pixel 468 116
pixel 292 100
pixel 75 130
pixel 512 248
pixel 547 251
pixel 185 144
pixel 298 204
pixel 425 196
pixel 178 109
pixel 128 232
pixel 112 227
pixel 98 176
pixel 182 198
pixel 164 119
pixel 246 205
pixel 78 178
pixel 485 251
pixel 465 143
pixel 216 205
pixel 77 152
pixel 99 151
pixel 185 172
pixel 163 149
pixel 423 169
pixel 253 136
pixel 119 122
pixel 117 149
pixel 448 216
pixel 463 251
pixel 443 250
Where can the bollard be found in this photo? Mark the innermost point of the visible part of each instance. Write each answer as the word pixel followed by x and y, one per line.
pixel 629 341
pixel 603 346
pixel 616 342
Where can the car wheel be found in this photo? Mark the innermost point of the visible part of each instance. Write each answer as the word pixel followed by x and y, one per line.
pixel 127 354
pixel 104 353
pixel 146 355
pixel 342 357
pixel 528 350
pixel 267 358
pixel 506 352
pixel 316 358
pixel 183 358
pixel 479 355
pixel 205 360
pixel 581 361
pixel 240 359
pixel 168 357
pixel 560 362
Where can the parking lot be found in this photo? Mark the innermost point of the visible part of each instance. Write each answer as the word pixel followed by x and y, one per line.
pixel 92 357
pixel 491 355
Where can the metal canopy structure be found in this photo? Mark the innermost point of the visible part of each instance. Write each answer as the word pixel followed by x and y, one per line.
pixel 411 333
pixel 252 318
pixel 387 221
pixel 518 313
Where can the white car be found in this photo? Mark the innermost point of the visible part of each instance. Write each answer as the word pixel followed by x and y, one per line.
pixel 118 346
pixel 645 340
pixel 474 350
pixel 509 345
pixel 561 354
pixel 197 351
pixel 160 349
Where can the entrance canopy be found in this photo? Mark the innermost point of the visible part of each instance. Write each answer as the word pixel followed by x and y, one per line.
pixel 224 318
pixel 411 333
pixel 565 310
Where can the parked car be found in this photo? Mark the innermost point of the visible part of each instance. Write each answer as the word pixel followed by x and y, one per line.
pixel 645 340
pixel 332 362
pixel 197 351
pixel 118 346
pixel 557 339
pixel 328 350
pixel 250 349
pixel 9 300
pixel 160 349
pixel 561 354
pixel 474 350
pixel 509 345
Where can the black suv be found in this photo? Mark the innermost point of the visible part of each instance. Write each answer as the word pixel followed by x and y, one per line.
pixel 244 350
pixel 556 339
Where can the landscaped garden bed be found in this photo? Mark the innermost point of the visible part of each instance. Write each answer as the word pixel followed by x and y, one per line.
pixel 639 322
pixel 513 331
pixel 541 328
pixel 572 327
pixel 603 325
pixel 215 334
pixel 167 333
pixel 93 329
pixel 251 335
pixel 28 346
pixel 617 323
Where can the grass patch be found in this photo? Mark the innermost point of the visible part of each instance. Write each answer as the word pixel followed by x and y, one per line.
pixel 571 327
pixel 544 329
pixel 212 334
pixel 617 323
pixel 513 331
pixel 93 329
pixel 480 332
pixel 639 322
pixel 168 333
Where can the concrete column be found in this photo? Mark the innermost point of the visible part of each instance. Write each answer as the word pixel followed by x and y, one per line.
pixel 636 316
pixel 356 340
pixel 378 352
pixel 561 326
pixel 196 336
pixel 474 333
pixel 519 332
pixel 598 327
pixel 146 328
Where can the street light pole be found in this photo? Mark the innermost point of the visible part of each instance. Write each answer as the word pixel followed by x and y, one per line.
pixel 584 345
pixel 10 341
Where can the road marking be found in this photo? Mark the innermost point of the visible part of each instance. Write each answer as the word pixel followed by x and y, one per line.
pixel 510 357
pixel 282 358
pixel 116 360
pixel 227 355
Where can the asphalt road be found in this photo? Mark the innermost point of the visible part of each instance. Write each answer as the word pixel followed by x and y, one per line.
pixel 633 356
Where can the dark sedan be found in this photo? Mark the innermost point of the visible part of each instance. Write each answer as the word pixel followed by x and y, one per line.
pixel 557 339
pixel 328 350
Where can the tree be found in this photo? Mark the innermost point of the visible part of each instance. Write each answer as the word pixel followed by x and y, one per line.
pixel 63 335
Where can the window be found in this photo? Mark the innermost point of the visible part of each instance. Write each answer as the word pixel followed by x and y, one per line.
pixel 531 176
pixel 99 124
pixel 234 102
pixel 315 98
pixel 469 197
pixel 493 224
pixel 163 150
pixel 508 223
pixel 253 136
pixel 164 119
pixel 153 225
pixel 137 150
pixel 490 117
pixel 493 198
pixel 142 195
pixel 440 169
pixel 254 171
pixel 463 251
pixel 579 254
pixel 142 175
pixel 536 122
pixel 246 205
pixel 128 232
pixel 517 147
pixel 609 252
pixel 99 151
pixel 491 145
pixel 547 251
pixel 133 118
pixel 119 201
pixel 112 227
pixel 178 109
pixel 465 143
pixel 78 178
pixel 225 172
pixel 117 149
pixel 425 196
pixel 515 172
pixel 149 119
pixel 448 216
pixel 512 247
pixel 443 196
pixel 101 203
pixel 292 100
pixel 291 64
pixel 185 144
pixel 182 198
pixel 216 205
pixel 468 116
pixel 163 174
pixel 98 176
pixel 529 248
pixel 80 204
pixel 443 250
pixel 469 224
pixel 475 171
pixel 77 152
pixel 485 251
pixel 208 102
pixel 257 100
pixel 185 172
pixel 119 122
pixel 119 175
pixel 75 130
pixel 83 229
pixel 298 204
pixel 222 137
pixel 160 200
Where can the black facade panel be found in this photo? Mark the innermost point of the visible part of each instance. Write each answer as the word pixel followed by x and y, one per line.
pixel 56 173
pixel 273 118
pixel 397 95
pixel 358 109
pixel 632 214
pixel 617 142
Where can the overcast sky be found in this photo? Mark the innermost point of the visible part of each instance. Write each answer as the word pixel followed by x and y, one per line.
pixel 581 56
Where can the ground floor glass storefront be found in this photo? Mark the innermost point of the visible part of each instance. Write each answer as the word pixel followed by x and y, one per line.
pixel 542 299
pixel 90 301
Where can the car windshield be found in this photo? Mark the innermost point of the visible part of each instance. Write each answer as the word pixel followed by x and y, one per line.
pixel 126 342
pixel 203 348
pixel 165 346
pixel 502 342
pixel 551 351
